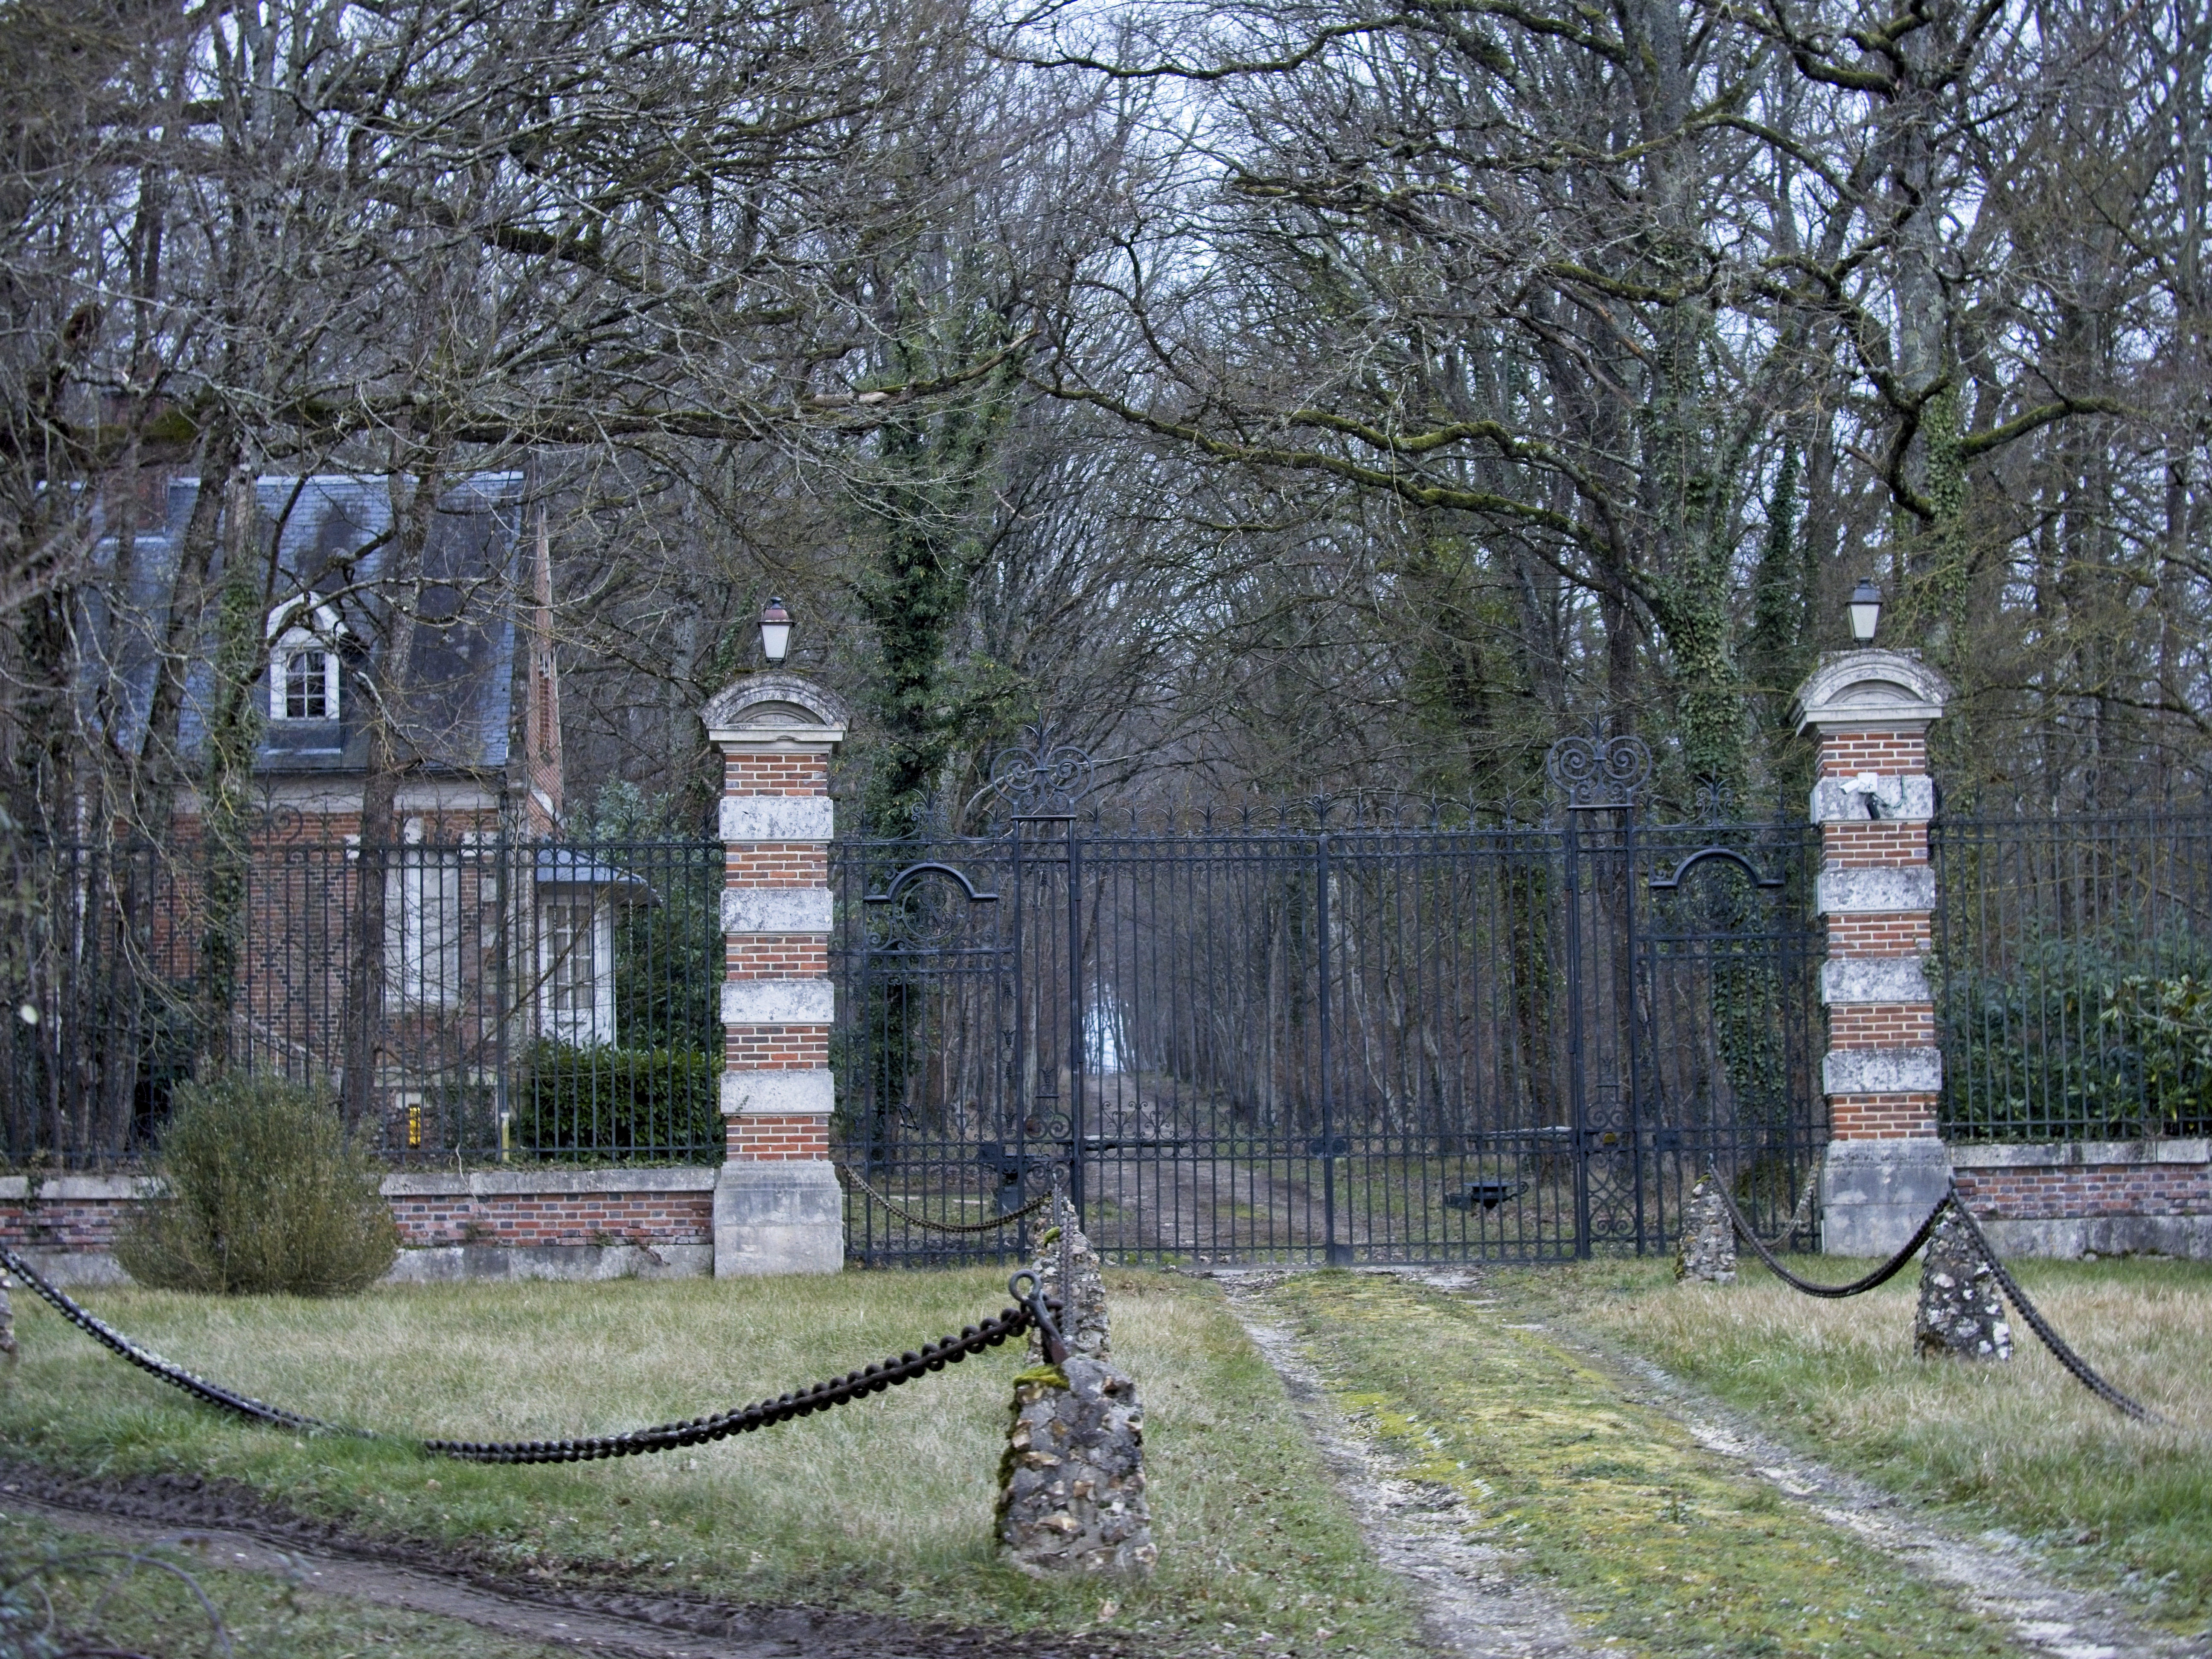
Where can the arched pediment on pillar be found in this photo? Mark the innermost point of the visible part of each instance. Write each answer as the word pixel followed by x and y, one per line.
pixel 1870 688
pixel 774 708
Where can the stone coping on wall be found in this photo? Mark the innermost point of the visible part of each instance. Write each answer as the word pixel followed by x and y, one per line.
pixel 475 1183
pixel 515 1183
pixel 76 1188
pixel 2076 1154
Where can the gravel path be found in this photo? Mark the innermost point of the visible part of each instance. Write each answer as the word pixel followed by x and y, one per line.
pixel 1477 1605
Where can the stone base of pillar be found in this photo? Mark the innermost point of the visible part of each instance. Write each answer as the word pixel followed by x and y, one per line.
pixel 779 1217
pixel 1874 1193
pixel 1072 1494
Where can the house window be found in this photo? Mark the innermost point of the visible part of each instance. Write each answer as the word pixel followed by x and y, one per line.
pixel 303 661
pixel 422 926
pixel 307 685
pixel 575 938
pixel 573 967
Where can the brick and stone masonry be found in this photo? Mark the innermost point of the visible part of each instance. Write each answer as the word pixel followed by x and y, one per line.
pixel 778 1208
pixel 485 1223
pixel 1883 1074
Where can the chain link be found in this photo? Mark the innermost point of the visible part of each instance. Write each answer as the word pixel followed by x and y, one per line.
pixel 2082 1372
pixel 1879 1276
pixel 924 1222
pixel 2080 1368
pixel 1798 1216
pixel 666 1437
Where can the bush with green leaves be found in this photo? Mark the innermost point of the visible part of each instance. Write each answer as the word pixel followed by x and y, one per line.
pixel 263 1191
pixel 2106 1037
pixel 601 1101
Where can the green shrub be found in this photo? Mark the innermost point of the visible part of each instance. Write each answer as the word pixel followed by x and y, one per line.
pixel 266 1193
pixel 2106 1037
pixel 605 1101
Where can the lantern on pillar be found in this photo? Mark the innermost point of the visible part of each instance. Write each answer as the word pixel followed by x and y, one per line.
pixel 776 633
pixel 1866 612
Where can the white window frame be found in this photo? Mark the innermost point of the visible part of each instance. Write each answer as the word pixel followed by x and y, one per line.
pixel 422 922
pixel 595 1022
pixel 304 624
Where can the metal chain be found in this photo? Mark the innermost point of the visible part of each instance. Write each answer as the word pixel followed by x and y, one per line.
pixel 2083 1372
pixel 147 1360
pixel 924 1222
pixel 666 1437
pixel 1798 1216
pixel 1879 1276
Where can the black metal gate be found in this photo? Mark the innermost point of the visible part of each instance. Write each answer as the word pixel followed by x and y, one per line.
pixel 1326 1038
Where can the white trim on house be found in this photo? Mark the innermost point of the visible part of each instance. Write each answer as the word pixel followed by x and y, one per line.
pixel 305 672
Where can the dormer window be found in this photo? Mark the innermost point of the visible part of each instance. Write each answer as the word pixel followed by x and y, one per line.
pixel 303 661
pixel 311 684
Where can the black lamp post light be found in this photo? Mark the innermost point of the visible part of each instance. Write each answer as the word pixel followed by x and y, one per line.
pixel 1866 612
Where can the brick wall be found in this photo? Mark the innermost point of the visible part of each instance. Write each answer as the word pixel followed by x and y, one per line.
pixel 1865 846
pixel 2087 1178
pixel 776 956
pixel 758 772
pixel 517 1209
pixel 776 864
pixel 775 1047
pixel 1881 1025
pixel 1847 754
pixel 769 1139
pixel 1881 1117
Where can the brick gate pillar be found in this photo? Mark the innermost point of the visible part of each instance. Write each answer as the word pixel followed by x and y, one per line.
pixel 778 1208
pixel 1884 1167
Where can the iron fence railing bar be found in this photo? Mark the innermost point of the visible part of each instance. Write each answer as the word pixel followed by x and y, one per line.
pixel 2068 952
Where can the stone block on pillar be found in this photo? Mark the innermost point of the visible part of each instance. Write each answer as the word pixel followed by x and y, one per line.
pixel 1885 1169
pixel 778 1206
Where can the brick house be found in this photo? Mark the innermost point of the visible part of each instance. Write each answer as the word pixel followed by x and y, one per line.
pixel 488 939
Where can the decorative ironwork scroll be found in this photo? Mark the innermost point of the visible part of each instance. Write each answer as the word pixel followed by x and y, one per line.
pixel 1595 772
pixel 1046 780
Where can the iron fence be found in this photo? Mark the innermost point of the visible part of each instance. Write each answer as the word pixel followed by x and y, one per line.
pixel 470 995
pixel 1378 1042
pixel 2073 961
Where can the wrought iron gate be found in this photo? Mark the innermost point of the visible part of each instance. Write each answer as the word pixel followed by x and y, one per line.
pixel 1326 1039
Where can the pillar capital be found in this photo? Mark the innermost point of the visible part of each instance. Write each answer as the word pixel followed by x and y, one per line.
pixel 1870 690
pixel 774 710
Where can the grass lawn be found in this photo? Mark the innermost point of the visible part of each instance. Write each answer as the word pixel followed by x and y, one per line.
pixel 884 1505
pixel 2020 1447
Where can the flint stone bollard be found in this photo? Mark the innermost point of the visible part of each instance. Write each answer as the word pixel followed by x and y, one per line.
pixel 1084 1325
pixel 1960 1311
pixel 1707 1250
pixel 6 1320
pixel 1071 1488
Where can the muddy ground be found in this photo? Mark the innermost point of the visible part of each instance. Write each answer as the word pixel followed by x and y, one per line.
pixel 594 1610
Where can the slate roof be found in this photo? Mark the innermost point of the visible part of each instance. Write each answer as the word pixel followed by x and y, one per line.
pixel 337 545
